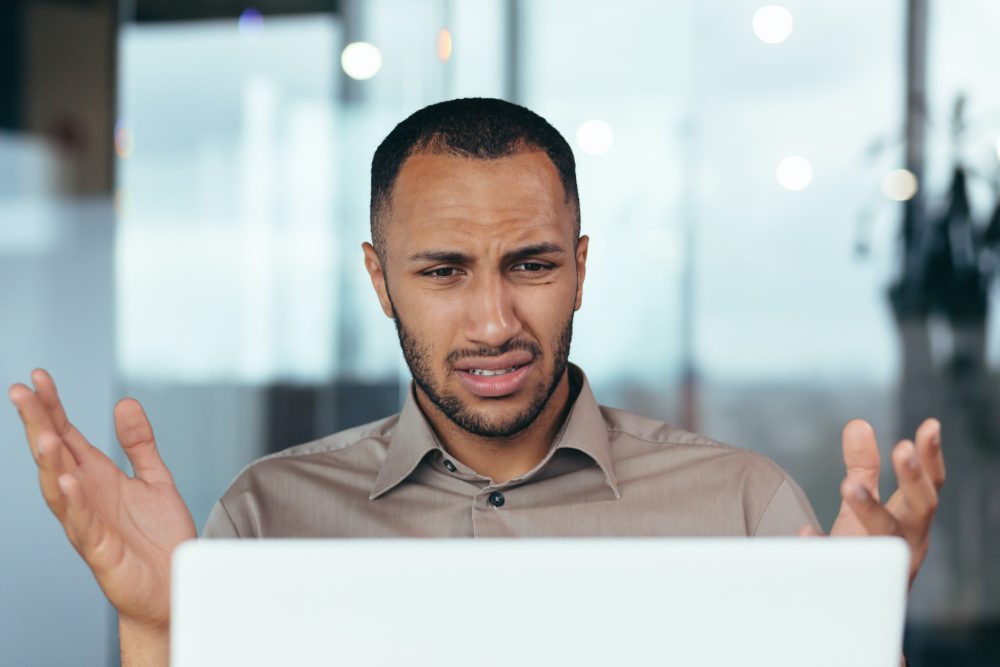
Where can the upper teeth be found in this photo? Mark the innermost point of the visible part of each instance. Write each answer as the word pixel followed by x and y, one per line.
pixel 480 371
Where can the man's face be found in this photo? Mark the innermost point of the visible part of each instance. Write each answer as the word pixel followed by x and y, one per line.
pixel 482 275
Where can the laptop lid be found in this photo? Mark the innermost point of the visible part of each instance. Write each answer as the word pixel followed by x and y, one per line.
pixel 581 602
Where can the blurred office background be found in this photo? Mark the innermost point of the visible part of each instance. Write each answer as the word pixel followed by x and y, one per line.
pixel 792 211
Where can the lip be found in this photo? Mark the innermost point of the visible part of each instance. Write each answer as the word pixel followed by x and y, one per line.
pixel 508 360
pixel 495 386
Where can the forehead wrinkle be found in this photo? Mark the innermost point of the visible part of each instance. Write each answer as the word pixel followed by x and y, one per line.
pixel 456 218
pixel 443 200
pixel 476 246
pixel 445 219
pixel 509 231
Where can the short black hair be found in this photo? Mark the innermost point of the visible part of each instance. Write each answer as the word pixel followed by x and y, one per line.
pixel 476 127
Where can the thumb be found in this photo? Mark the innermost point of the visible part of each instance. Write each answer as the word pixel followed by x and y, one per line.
pixel 136 438
pixel 861 457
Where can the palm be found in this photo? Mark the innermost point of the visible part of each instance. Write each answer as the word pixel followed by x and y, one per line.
pixel 142 523
pixel 848 524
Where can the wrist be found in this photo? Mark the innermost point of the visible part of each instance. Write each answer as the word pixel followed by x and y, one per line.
pixel 143 644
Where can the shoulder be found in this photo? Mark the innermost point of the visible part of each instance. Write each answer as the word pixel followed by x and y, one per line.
pixel 344 463
pixel 660 458
pixel 633 435
pixel 341 445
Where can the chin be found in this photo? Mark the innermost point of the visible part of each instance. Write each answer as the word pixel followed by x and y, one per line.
pixel 500 417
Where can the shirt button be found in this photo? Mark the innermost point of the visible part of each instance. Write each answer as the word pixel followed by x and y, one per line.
pixel 450 466
pixel 497 499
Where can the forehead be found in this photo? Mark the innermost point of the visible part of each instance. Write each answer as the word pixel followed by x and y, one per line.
pixel 440 198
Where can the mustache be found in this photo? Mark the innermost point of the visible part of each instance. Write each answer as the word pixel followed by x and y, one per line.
pixel 484 351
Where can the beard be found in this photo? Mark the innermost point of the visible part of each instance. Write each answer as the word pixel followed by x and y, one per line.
pixel 418 359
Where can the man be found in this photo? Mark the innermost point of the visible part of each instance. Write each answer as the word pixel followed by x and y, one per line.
pixel 477 257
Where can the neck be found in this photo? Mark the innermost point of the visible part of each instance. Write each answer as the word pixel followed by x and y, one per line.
pixel 501 459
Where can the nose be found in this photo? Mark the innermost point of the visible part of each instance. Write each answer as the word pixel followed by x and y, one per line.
pixel 491 320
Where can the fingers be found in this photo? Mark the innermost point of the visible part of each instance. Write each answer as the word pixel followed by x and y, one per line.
pixel 49 450
pixel 810 531
pixel 135 434
pixel 929 451
pixel 45 389
pixel 50 467
pixel 33 415
pixel 918 491
pixel 861 457
pixel 37 419
pixel 875 518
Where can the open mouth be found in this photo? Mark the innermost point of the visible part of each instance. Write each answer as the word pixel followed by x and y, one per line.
pixel 491 373
pixel 495 382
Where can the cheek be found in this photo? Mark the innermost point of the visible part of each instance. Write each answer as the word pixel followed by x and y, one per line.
pixel 544 310
pixel 434 320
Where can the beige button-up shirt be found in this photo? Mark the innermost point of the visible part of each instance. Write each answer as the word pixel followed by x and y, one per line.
pixel 608 473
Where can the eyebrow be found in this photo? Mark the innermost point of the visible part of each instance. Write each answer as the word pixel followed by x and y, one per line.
pixel 533 251
pixel 449 256
pixel 459 257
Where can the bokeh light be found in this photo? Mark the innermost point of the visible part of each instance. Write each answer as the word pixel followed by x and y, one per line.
pixel 124 139
pixel 443 46
pixel 251 22
pixel 594 137
pixel 900 184
pixel 794 173
pixel 772 24
pixel 361 60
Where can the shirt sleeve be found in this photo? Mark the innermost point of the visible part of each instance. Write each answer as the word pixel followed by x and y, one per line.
pixel 786 512
pixel 219 524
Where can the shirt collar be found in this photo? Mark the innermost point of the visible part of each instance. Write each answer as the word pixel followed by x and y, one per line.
pixel 412 438
pixel 585 429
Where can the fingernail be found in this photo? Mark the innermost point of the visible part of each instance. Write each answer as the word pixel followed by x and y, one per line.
pixel 911 460
pixel 861 493
pixel 41 446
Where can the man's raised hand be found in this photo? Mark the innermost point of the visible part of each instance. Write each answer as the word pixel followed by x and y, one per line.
pixel 125 528
pixel 920 473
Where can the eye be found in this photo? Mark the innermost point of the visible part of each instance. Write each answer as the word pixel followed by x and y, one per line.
pixel 532 267
pixel 443 272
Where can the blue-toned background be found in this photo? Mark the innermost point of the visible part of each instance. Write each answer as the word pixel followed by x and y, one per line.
pixel 184 192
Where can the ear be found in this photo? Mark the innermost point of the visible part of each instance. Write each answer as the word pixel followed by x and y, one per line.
pixel 375 272
pixel 581 268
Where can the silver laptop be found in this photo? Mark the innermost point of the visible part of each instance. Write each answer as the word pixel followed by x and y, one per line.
pixel 580 602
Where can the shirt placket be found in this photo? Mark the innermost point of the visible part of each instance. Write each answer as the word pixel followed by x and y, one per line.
pixel 491 509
